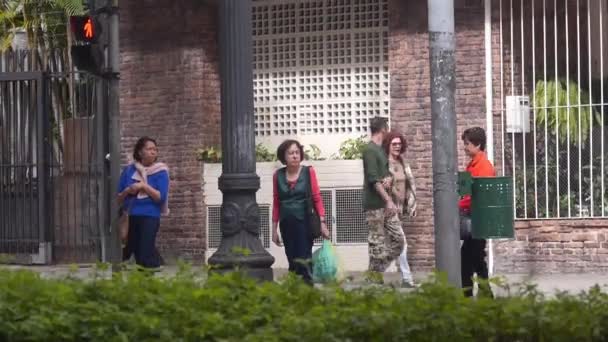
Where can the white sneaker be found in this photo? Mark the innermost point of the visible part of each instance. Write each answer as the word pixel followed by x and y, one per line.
pixel 408 284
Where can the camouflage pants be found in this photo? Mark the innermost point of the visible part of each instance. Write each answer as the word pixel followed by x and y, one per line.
pixel 385 239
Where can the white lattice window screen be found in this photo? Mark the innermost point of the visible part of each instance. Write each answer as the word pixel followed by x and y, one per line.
pixel 345 217
pixel 351 227
pixel 214 234
pixel 319 66
pixel 327 195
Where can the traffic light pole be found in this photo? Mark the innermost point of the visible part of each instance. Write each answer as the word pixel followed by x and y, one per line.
pixel 443 126
pixel 114 126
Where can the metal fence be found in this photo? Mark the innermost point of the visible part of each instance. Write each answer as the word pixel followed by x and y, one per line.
pixel 23 186
pixel 551 83
pixel 52 172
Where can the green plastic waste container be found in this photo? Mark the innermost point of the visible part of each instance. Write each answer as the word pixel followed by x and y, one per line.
pixel 492 208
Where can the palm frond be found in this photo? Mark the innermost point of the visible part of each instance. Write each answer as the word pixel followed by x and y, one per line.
pixel 564 107
pixel 6 42
pixel 70 7
pixel 44 18
pixel 7 15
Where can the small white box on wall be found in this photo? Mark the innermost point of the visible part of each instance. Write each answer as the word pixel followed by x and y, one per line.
pixel 518 114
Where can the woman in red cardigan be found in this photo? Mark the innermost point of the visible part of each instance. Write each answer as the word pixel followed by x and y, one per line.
pixel 473 251
pixel 291 185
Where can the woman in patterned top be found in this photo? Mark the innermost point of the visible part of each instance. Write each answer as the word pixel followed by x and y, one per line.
pixel 403 192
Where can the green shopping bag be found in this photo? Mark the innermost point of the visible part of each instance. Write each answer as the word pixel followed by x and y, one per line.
pixel 324 263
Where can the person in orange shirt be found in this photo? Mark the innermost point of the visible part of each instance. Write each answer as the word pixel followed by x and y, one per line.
pixel 473 251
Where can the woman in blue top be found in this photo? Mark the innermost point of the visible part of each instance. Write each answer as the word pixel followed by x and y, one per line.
pixel 142 191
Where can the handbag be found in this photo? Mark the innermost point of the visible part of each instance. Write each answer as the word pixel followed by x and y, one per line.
pixel 123 225
pixel 314 221
pixel 123 222
pixel 465 227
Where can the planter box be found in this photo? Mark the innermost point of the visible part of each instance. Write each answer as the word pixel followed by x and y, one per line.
pixel 341 183
pixel 330 173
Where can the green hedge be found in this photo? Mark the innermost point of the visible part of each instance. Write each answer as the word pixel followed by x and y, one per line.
pixel 189 307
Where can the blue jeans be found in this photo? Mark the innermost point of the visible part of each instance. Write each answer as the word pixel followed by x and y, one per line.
pixel 298 246
pixel 142 241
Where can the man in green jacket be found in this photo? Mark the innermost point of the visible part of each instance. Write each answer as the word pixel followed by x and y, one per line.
pixel 385 239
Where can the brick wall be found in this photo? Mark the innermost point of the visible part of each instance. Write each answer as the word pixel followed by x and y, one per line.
pixel 170 91
pixel 410 100
pixel 555 246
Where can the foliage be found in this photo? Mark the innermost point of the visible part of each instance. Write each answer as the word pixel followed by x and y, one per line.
pixel 211 154
pixel 557 104
pixel 313 152
pixel 44 21
pixel 560 161
pixel 263 154
pixel 595 183
pixel 566 196
pixel 193 307
pixel 6 258
pixel 352 148
pixel 547 197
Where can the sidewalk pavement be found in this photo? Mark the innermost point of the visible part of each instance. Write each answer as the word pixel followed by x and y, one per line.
pixel 547 283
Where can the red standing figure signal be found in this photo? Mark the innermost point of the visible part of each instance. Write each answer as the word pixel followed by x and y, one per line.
pixel 84 29
pixel 88 29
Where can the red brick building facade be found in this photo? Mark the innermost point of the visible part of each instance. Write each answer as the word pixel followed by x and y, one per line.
pixel 170 90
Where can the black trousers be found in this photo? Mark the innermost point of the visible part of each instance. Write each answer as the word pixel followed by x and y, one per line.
pixel 142 241
pixel 298 246
pixel 473 260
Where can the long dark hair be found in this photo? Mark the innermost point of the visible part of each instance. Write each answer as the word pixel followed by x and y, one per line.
pixel 139 145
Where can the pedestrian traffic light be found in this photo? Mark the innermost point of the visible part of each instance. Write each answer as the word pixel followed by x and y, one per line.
pixel 86 53
pixel 85 28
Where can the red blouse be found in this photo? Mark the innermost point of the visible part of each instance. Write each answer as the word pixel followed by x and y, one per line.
pixel 479 166
pixel 316 195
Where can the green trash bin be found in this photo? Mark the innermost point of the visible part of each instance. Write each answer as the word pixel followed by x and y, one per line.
pixel 492 208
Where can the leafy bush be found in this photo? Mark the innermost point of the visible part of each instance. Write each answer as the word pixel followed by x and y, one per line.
pixel 552 100
pixel 313 152
pixel 213 154
pixel 191 307
pixel 352 148
pixel 263 154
